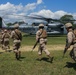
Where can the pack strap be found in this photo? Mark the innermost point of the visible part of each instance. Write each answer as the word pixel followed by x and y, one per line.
pixel 41 33
pixel 17 35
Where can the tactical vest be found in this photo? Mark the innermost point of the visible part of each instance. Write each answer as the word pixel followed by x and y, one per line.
pixel 73 52
pixel 74 31
pixel 0 36
pixel 6 35
pixel 17 35
pixel 44 34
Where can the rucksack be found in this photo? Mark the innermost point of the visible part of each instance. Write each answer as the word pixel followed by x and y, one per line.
pixel 74 31
pixel 44 34
pixel 18 34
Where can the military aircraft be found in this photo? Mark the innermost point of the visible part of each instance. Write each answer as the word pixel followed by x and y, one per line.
pixel 52 26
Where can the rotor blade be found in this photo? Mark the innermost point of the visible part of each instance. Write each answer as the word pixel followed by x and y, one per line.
pixel 69 20
pixel 39 17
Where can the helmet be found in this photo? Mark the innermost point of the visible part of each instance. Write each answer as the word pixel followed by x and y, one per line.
pixel 67 25
pixel 41 25
pixel 5 30
pixel 16 25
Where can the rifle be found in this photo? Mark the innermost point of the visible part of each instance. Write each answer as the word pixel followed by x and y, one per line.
pixel 37 41
pixel 19 36
pixel 65 50
pixel 66 47
pixel 35 44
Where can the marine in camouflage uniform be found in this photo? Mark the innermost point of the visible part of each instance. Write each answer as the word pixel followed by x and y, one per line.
pixel 1 40
pixel 5 38
pixel 41 35
pixel 17 38
pixel 71 40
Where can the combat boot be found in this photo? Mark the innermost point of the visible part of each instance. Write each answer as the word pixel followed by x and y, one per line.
pixel 17 55
pixel 51 59
pixel 75 59
pixel 2 48
pixel 8 47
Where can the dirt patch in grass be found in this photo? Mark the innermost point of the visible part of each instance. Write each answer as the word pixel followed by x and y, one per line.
pixel 49 47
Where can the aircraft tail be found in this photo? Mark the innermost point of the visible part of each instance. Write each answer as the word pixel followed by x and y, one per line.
pixel 2 24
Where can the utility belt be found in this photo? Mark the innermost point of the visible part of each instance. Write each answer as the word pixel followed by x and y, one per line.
pixel 43 37
pixel 6 39
pixel 17 41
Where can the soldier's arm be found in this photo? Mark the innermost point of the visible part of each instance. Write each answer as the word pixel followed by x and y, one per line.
pixel 3 36
pixel 66 47
pixel 68 43
pixel 12 33
pixel 37 35
pixel 9 35
pixel 21 36
pixel 70 40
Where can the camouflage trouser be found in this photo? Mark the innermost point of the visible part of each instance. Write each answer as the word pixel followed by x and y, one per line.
pixel 1 42
pixel 42 47
pixel 6 43
pixel 73 53
pixel 16 44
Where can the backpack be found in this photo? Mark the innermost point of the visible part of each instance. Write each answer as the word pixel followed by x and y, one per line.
pixel 6 35
pixel 73 52
pixel 44 34
pixel 18 35
pixel 74 31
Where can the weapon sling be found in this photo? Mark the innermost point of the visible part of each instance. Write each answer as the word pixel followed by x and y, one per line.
pixel 3 37
pixel 37 40
pixel 17 35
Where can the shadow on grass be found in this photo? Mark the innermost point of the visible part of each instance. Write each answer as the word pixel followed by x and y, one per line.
pixel 45 59
pixel 10 50
pixel 1 52
pixel 70 65
pixel 22 57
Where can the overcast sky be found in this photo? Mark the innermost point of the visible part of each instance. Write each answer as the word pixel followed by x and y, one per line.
pixel 47 8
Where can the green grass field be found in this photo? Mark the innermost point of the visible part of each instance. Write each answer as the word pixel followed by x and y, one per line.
pixel 51 40
pixel 29 65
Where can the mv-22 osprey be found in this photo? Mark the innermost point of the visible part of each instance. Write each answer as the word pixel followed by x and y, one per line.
pixel 52 26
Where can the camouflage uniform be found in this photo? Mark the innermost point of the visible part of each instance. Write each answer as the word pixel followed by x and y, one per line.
pixel 17 38
pixel 5 38
pixel 1 40
pixel 42 36
pixel 71 40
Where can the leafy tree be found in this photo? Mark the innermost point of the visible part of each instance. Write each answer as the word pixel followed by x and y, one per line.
pixel 74 26
pixel 67 18
pixel 9 24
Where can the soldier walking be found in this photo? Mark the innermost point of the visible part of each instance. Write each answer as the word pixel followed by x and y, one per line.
pixel 17 38
pixel 41 35
pixel 5 38
pixel 70 40
pixel 1 40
